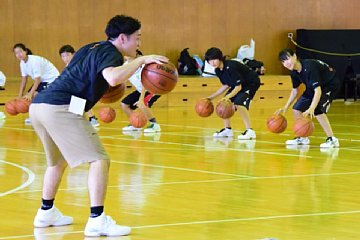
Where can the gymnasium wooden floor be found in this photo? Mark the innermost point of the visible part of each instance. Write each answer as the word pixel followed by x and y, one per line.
pixel 183 184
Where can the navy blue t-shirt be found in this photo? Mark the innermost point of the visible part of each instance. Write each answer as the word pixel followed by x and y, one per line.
pixel 83 76
pixel 314 73
pixel 235 73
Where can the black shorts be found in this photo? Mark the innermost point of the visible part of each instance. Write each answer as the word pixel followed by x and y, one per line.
pixel 244 96
pixel 133 97
pixel 304 102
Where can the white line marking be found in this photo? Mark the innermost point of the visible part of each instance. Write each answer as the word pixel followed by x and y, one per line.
pixel 31 177
pixel 206 222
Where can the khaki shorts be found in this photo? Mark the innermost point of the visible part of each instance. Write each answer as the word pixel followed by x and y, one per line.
pixel 65 135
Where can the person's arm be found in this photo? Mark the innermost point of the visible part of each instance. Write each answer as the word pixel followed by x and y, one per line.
pixel 232 93
pixel 289 102
pixel 218 92
pixel 314 103
pixel 32 91
pixel 22 86
pixel 120 74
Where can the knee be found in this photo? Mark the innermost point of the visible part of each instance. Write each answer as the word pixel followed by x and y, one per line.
pixel 124 106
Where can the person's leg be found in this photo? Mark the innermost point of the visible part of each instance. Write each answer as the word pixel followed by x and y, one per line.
pixel 126 108
pixel 302 104
pixel 297 114
pixel 97 182
pixel 245 116
pixel 149 100
pixel 325 124
pixel 99 224
pixel 242 101
pixel 226 131
pixel 48 214
pixel 52 179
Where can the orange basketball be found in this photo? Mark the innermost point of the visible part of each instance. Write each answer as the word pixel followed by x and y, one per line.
pixel 303 127
pixel 276 123
pixel 159 78
pixel 113 94
pixel 225 109
pixel 10 107
pixel 138 119
pixel 107 114
pixel 22 105
pixel 204 107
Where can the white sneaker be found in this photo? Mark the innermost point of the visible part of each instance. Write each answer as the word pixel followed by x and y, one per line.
pixel 94 122
pixel 130 127
pixel 225 132
pixel 28 121
pixel 152 128
pixel 51 217
pixel 247 135
pixel 331 142
pixel 104 226
pixel 298 141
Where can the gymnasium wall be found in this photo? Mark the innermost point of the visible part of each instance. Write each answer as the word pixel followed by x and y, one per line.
pixel 168 25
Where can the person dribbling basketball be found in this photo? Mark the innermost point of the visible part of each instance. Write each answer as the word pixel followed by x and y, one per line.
pixel 321 87
pixel 68 138
pixel 241 83
pixel 142 99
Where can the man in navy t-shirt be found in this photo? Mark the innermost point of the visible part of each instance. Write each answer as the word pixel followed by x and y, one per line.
pixel 68 138
pixel 321 87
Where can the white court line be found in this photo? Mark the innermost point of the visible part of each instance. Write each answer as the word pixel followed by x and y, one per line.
pixel 182 169
pixel 203 146
pixel 231 220
pixel 206 181
pixel 31 177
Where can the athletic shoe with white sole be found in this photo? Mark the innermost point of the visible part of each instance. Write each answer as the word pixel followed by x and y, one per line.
pixel 331 142
pixel 247 135
pixel 223 133
pixel 298 141
pixel 104 225
pixel 51 217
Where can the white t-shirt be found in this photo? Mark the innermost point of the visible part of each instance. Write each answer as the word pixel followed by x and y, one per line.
pixel 37 66
pixel 135 79
pixel 2 79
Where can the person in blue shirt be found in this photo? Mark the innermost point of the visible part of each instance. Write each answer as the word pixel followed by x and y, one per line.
pixel 321 85
pixel 67 137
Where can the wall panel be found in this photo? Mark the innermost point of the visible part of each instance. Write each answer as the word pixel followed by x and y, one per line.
pixel 168 25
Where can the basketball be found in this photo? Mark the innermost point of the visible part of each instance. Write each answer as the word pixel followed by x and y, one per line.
pixel 113 94
pixel 204 107
pixel 225 109
pixel 159 78
pixel 107 114
pixel 138 119
pixel 303 127
pixel 22 105
pixel 10 107
pixel 276 123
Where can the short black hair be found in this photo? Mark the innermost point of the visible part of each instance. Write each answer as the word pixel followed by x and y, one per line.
pixel 214 53
pixel 66 48
pixel 121 24
pixel 285 54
